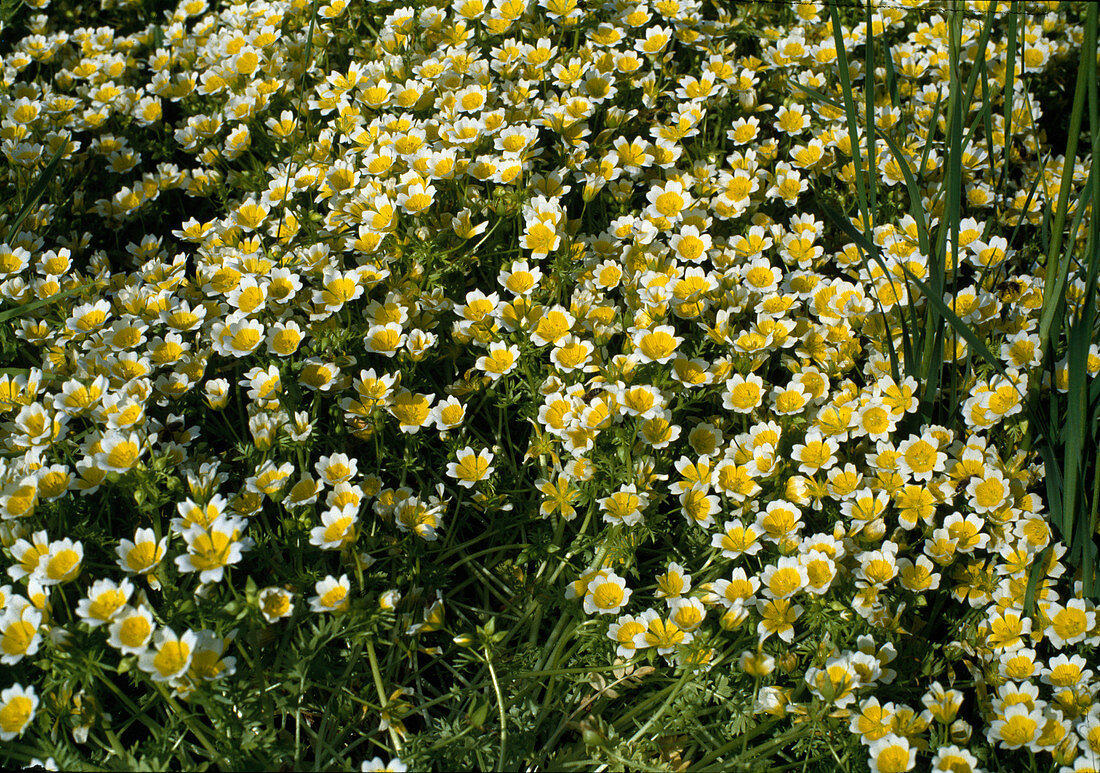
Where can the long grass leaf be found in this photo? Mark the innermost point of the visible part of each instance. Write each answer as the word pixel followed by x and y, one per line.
pixel 1008 100
pixel 1082 206
pixel 987 121
pixel 1087 518
pixel 866 210
pixel 849 111
pixel 34 193
pixel 891 76
pixel 931 342
pixel 916 206
pixel 1053 264
pixel 1027 205
pixel 816 95
pixel 26 308
pixel 926 153
pixel 979 55
pixel 1038 567
pixel 869 129
pixel 1090 578
pixel 1078 352
pixel 1052 474
pixel 959 139
pixel 868 252
pixel 1010 77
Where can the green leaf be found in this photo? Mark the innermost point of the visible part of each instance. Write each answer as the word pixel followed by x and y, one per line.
pixel 479 715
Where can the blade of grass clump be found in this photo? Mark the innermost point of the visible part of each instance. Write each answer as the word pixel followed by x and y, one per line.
pixel 1053 474
pixel 916 207
pixel 866 214
pixel 931 360
pixel 960 138
pixel 956 322
pixel 957 102
pixel 869 216
pixel 953 207
pixel 849 110
pixel 968 334
pixel 1054 265
pixel 916 211
pixel 1073 526
pixel 1086 526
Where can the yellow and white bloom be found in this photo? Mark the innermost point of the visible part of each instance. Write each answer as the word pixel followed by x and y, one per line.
pixel 606 594
pixel 275 603
pixel 470 467
pixel 20 633
pixel 891 754
pixel 105 599
pixel 169 655
pixel 337 529
pixel 332 595
pixel 18 706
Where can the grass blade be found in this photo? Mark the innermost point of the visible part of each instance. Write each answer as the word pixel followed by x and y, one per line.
pixel 868 251
pixel 26 308
pixel 869 130
pixel 1054 265
pixel 849 111
pixel 1075 521
pixel 34 193
pixel 891 77
pixel 916 206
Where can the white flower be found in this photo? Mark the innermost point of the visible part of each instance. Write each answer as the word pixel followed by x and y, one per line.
pixel 377 766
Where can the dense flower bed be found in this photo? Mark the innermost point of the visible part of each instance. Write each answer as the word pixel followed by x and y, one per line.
pixel 432 351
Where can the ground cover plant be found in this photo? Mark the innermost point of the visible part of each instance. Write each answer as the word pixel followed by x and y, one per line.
pixel 540 384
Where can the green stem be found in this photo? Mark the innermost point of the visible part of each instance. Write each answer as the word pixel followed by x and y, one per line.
pixel 579 670
pixel 755 695
pixel 382 699
pixel 500 710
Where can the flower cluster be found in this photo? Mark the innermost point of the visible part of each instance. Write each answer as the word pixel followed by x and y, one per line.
pixel 339 280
